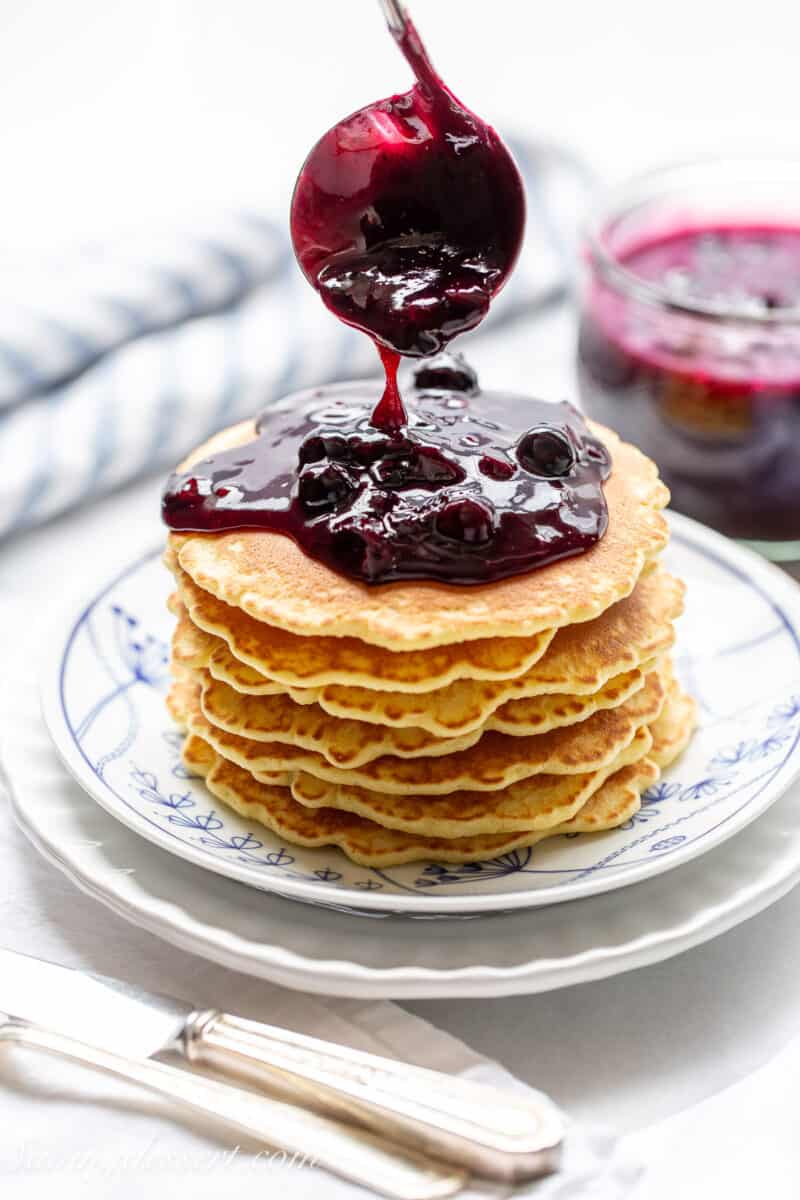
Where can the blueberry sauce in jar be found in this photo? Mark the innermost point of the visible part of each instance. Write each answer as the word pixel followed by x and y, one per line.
pixel 706 376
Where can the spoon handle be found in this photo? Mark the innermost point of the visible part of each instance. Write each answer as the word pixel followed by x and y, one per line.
pixel 395 14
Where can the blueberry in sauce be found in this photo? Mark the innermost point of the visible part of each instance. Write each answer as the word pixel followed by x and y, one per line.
pixel 445 371
pixel 325 486
pixel 547 452
pixel 466 520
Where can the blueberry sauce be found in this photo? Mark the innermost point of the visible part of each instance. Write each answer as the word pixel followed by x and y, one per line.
pixel 407 218
pixel 715 401
pixel 457 495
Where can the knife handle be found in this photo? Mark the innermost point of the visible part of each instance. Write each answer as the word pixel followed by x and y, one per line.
pixel 312 1140
pixel 490 1132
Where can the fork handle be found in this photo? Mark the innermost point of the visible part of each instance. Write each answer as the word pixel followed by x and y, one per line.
pixel 352 1153
pixel 490 1132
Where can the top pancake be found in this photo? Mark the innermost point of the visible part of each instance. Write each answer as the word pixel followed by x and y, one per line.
pixel 268 575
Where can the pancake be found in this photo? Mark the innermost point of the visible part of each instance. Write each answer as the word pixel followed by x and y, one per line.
pixel 673 728
pixel 195 650
pixel 532 804
pixel 371 845
pixel 269 577
pixel 580 661
pixel 348 743
pixel 493 763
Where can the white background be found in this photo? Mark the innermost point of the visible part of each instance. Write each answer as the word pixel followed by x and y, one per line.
pixel 113 112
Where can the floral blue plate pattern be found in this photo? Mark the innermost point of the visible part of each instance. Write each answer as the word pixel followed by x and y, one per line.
pixel 738 653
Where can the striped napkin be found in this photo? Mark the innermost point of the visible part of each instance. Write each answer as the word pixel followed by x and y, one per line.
pixel 117 359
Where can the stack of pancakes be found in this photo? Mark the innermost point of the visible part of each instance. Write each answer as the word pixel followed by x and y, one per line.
pixel 422 721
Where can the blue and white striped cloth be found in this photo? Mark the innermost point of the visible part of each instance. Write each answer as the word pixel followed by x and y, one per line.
pixel 117 360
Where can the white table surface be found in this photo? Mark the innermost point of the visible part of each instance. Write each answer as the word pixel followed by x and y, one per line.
pixel 111 111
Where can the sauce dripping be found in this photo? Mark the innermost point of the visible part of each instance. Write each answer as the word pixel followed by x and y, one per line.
pixel 407 218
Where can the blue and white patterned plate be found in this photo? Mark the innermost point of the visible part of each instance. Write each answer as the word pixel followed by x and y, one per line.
pixel 738 653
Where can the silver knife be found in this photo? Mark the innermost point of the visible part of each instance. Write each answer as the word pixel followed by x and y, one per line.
pixel 488 1131
pixel 354 1153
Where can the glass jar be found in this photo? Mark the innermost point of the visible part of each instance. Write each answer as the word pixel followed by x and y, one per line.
pixel 689 342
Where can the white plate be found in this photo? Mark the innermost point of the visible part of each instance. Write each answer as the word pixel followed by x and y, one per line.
pixel 335 953
pixel 738 652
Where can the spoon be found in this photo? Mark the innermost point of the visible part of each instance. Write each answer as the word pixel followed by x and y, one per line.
pixel 407 217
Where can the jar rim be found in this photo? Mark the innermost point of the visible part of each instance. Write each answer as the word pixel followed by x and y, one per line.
pixel 621 199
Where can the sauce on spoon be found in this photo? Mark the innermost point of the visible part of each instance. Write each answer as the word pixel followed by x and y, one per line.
pixel 407 218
